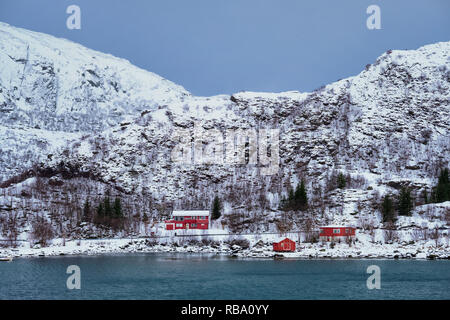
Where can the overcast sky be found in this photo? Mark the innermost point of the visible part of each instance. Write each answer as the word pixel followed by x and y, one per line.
pixel 225 46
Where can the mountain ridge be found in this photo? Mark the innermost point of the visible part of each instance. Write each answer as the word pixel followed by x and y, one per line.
pixel 86 135
pixel 343 110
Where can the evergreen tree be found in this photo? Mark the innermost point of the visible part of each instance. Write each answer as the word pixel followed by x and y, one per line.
pixel 107 206
pixel 442 192
pixel 291 199
pixel 432 197
pixel 300 196
pixel 341 182
pixel 100 210
pixel 117 208
pixel 86 210
pixel 387 209
pixel 216 208
pixel 405 204
pixel 283 203
pixel 425 197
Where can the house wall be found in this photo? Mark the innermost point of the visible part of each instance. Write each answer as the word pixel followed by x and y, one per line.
pixel 188 223
pixel 285 245
pixel 329 234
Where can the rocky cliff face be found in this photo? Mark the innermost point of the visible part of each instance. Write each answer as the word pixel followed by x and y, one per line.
pixel 388 126
pixel 389 123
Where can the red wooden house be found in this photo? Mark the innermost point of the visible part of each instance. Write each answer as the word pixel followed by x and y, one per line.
pixel 333 233
pixel 188 219
pixel 285 245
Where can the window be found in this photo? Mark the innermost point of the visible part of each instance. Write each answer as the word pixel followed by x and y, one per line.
pixel 347 230
pixel 337 231
pixel 178 219
pixel 180 225
pixel 193 225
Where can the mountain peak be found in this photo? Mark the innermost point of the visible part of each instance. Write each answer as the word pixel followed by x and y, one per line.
pixel 46 80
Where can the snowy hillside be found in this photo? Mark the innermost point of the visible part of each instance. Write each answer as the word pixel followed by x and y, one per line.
pixel 390 122
pixel 88 124
pixel 57 85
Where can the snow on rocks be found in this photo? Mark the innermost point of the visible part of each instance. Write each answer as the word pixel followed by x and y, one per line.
pixel 81 110
pixel 259 249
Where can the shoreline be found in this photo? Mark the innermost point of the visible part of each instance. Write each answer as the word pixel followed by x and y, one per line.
pixel 93 247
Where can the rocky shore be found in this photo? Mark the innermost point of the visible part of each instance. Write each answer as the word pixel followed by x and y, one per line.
pixel 259 249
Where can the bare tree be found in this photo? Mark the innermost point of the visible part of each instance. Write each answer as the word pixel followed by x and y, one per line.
pixel 417 234
pixel 41 230
pixel 234 222
pixel 310 234
pixel 10 227
pixel 435 235
pixel 390 233
pixel 283 226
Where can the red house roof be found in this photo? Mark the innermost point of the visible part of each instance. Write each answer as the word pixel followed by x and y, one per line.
pixel 280 239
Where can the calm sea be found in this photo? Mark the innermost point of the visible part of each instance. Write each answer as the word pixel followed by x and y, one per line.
pixel 187 276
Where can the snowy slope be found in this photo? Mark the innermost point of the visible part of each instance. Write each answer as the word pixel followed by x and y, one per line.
pixel 57 85
pixel 388 123
pixel 75 112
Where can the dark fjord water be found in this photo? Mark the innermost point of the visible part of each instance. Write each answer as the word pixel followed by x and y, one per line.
pixel 182 276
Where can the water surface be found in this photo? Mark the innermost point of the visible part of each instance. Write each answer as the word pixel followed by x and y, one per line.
pixel 188 276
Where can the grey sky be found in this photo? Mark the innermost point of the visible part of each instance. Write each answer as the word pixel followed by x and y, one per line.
pixel 225 46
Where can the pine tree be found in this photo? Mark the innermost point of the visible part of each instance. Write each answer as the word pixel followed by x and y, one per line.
pixel 405 204
pixel 425 197
pixel 100 210
pixel 86 210
pixel 283 203
pixel 341 182
pixel 107 207
pixel 443 187
pixel 117 208
pixel 300 196
pixel 216 208
pixel 387 209
pixel 291 199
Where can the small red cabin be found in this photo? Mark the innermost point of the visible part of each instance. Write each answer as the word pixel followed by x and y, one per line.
pixel 188 219
pixel 285 245
pixel 332 233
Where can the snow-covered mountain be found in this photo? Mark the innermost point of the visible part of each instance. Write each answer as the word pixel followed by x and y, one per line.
pixel 390 122
pixel 50 87
pixel 88 122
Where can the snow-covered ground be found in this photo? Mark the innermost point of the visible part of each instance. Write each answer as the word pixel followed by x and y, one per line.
pixel 87 122
pixel 260 246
